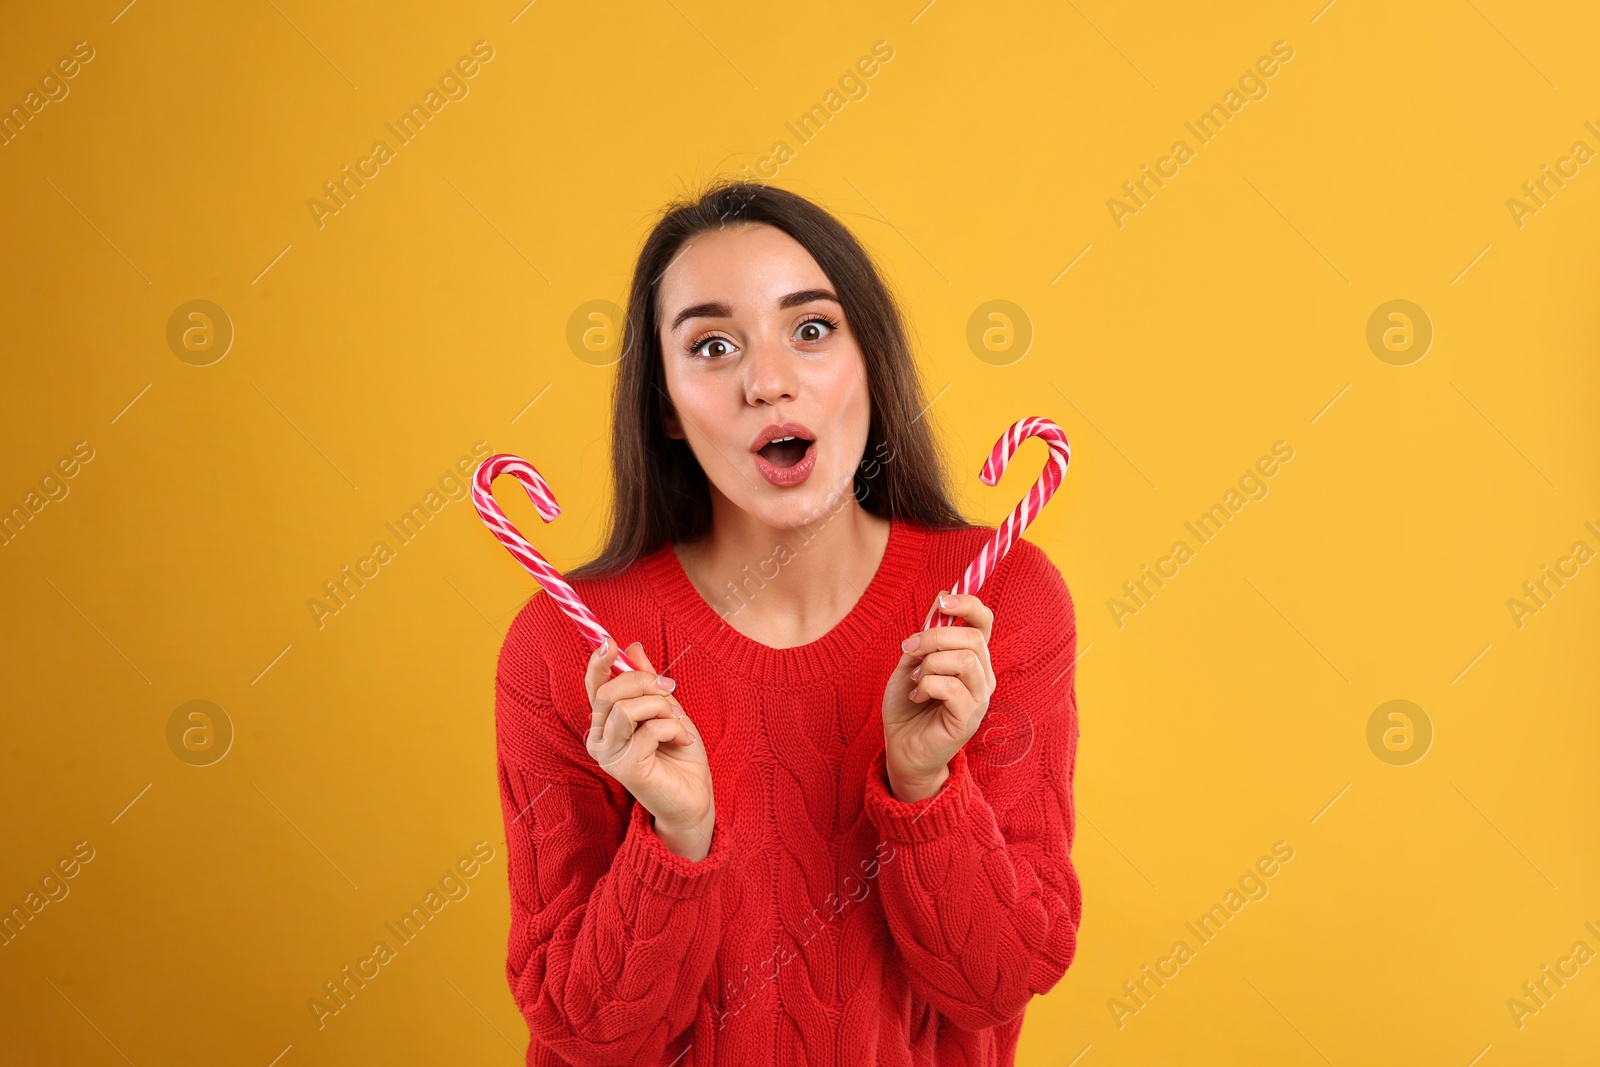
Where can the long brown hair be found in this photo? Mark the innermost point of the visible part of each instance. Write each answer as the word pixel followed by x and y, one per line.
pixel 661 493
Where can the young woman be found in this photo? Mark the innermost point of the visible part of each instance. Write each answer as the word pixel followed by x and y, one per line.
pixel 806 830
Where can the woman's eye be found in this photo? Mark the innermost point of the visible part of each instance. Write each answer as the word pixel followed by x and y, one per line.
pixel 708 347
pixel 814 329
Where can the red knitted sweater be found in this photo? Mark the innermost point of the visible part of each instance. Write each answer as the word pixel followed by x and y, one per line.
pixel 830 923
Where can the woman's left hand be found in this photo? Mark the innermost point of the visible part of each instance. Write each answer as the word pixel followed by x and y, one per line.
pixel 936 698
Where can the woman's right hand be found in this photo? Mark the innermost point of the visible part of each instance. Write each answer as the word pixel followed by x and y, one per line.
pixel 641 736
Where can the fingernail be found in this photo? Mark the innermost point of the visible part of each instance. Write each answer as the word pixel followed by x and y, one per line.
pixel 605 645
pixel 916 672
pixel 910 644
pixel 666 683
pixel 913 694
pixel 947 602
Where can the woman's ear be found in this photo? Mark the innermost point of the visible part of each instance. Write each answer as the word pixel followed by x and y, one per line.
pixel 670 423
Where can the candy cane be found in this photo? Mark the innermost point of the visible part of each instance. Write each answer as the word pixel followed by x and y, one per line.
pixel 539 492
pixel 994 551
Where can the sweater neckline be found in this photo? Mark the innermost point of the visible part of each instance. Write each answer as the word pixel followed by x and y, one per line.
pixel 881 610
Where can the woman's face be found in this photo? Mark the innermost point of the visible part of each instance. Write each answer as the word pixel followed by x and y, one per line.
pixel 753 338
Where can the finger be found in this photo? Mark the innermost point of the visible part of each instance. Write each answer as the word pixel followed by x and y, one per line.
pixel 640 660
pixel 620 745
pixel 938 637
pixel 628 717
pixel 634 683
pixel 952 691
pixel 969 609
pixel 908 661
pixel 646 668
pixel 962 663
pixel 683 716
pixel 638 709
pixel 599 667
pixel 619 728
pixel 942 637
pixel 594 678
pixel 666 732
pixel 957 637
pixel 626 686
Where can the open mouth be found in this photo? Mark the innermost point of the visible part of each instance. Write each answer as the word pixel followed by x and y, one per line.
pixel 785 452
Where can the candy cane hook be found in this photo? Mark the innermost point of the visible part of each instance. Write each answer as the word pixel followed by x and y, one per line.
pixel 556 586
pixel 1010 531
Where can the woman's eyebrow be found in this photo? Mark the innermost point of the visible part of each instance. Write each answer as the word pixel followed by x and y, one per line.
pixel 715 309
pixel 806 296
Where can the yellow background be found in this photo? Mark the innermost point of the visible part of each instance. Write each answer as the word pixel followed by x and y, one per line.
pixel 1226 315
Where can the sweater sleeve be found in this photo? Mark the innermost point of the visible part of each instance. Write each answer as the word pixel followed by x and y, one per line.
pixel 980 893
pixel 612 935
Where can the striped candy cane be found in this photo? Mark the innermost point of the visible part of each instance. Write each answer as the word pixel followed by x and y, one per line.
pixel 994 551
pixel 550 578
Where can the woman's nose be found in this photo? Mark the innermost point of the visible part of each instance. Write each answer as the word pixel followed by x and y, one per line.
pixel 769 373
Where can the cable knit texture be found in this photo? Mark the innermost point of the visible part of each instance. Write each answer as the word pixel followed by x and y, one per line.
pixel 830 924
